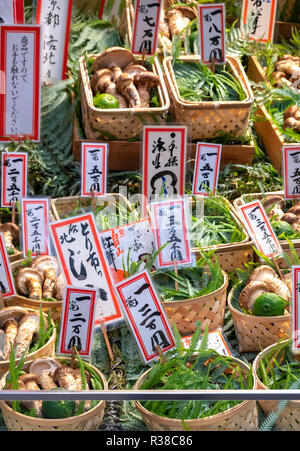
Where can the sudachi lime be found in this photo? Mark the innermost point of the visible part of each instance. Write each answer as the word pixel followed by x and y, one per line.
pixel 105 101
pixel 269 304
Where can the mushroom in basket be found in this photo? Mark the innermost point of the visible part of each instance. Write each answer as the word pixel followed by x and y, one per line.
pixel 11 234
pixel 284 220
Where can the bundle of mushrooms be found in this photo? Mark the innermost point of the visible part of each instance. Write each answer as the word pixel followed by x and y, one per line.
pixel 48 374
pixel 41 279
pixel 292 118
pixel 174 21
pixel 274 205
pixel 287 72
pixel 11 235
pixel 265 280
pixel 115 72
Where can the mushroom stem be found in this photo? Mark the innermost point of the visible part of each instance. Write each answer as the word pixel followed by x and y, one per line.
pixel 64 377
pixel 46 381
pixel 28 327
pixel 11 332
pixel 125 85
pixel 30 383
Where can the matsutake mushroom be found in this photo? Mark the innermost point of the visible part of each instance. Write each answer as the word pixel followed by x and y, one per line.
pixel 250 293
pixel 125 85
pixel 29 282
pixel 70 379
pixel 261 273
pixel 11 233
pixel 179 18
pixel 44 368
pixel 275 203
pixel 48 267
pixel 28 332
pixel 292 118
pixel 30 382
pixel 9 322
pixel 291 219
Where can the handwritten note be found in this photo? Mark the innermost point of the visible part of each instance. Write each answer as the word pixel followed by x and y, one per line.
pixel 93 169
pixel 35 226
pixel 212 33
pixel 206 170
pixel 145 27
pixel 11 11
pixel 291 171
pixel 261 15
pixel 13 177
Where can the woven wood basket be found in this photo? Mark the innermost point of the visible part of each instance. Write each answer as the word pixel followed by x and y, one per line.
pixel 88 421
pixel 119 123
pixel 289 419
pixel 258 332
pixel 208 309
pixel 242 417
pixel 207 119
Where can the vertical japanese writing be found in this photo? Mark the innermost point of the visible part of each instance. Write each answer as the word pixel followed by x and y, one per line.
pixel 260 14
pixel 35 226
pixel 13 178
pixel 212 29
pixel 206 168
pixel 94 169
pixel 291 171
pixel 146 25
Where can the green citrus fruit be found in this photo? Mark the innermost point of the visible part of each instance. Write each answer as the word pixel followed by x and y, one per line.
pixel 105 101
pixel 268 304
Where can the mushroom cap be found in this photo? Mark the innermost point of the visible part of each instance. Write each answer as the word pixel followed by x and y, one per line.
pixel 147 78
pixel 124 80
pixel 44 364
pixel 28 377
pixel 100 77
pixel 289 217
pixel 277 286
pixel 251 292
pixel 135 69
pixel 116 55
pixel 22 277
pixel 295 209
pixel 261 273
pixel 273 199
pixel 11 313
pixel 12 228
pixel 187 11
pixel 44 262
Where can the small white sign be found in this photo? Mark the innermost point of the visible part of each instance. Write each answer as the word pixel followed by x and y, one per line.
pixel 11 11
pixel 13 177
pixel 7 286
pixel 146 25
pixel 93 169
pixel 170 226
pixel 216 341
pixel 35 226
pixel 291 171
pixel 261 14
pixel 77 324
pixel 260 229
pixel 212 33
pixel 145 315
pixel 55 18
pixel 206 172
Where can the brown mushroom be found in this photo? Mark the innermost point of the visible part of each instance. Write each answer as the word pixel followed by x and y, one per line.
pixel 102 81
pixel 287 279
pixel 48 267
pixel 144 81
pixel 292 123
pixel 113 55
pixel 276 203
pixel 38 366
pixel 60 287
pixel 125 85
pixel 179 17
pixel 64 377
pixel 2 341
pixel 250 293
pixel 9 321
pixel 276 285
pixel 261 273
pixel 292 111
pixel 29 328
pixel 295 209
pixel 29 282
pixel 11 234
pixel 291 219
pixel 30 382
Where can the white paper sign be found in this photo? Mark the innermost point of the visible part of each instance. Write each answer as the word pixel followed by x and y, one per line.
pixel 93 168
pixel 13 177
pixel 11 11
pixel 291 171
pixel 170 225
pixel 83 264
pixel 164 156
pixel 207 165
pixel 146 27
pixel 77 324
pixel 295 308
pixel 126 244
pixel 212 33
pixel 145 315
pixel 7 286
pixel 20 64
pixel 55 18
pixel 260 229
pixel 261 14
pixel 35 226
pixel 216 341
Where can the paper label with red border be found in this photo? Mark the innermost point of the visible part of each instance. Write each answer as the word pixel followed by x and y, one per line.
pixel 7 286
pixel 262 16
pixel 216 341
pixel 78 318
pixel 127 244
pixel 295 308
pixel 291 171
pixel 83 264
pixel 206 172
pixel 35 226
pixel 170 228
pixel 12 12
pixel 20 82
pixel 164 157
pixel 260 229
pixel 13 177
pixel 212 31
pixel 55 18
pixel 94 159
pixel 145 315
pixel 145 28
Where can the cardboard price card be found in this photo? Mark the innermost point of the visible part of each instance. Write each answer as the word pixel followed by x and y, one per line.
pixel 7 287
pixel 206 172
pixel 261 15
pixel 35 226
pixel 55 18
pixel 212 33
pixel 93 169
pixel 216 341
pixel 13 177
pixel 11 11
pixel 291 171
pixel 20 82
pixel 260 229
pixel 126 244
pixel 77 324
pixel 145 315
pixel 79 251
pixel 146 27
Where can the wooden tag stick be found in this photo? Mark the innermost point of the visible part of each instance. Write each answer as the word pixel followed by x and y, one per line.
pixel 176 272
pixel 1 300
pixel 93 201
pixel 277 267
pixel 110 352
pixel 213 65
pixel 13 213
pixel 161 354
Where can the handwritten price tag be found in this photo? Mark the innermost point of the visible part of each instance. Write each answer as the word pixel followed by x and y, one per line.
pixel 291 171
pixel 12 11
pixel 145 27
pixel 93 169
pixel 212 33
pixel 206 172
pixel 13 177
pixel 216 341
pixel 296 309
pixel 261 14
pixel 35 226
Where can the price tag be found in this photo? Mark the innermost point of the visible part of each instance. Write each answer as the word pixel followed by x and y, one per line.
pixel 170 226
pixel 77 324
pixel 7 286
pixel 126 244
pixel 261 14
pixel 145 315
pixel 291 171
pixel 79 251
pixel 206 172
pixel 260 229
pixel 216 341
pixel 145 27
pixel 13 177
pixel 164 156
pixel 55 18
pixel 20 69
pixel 93 169
pixel 11 11
pixel 212 33
pixel 35 226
